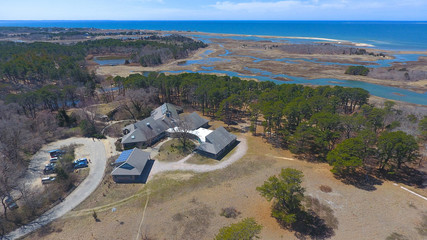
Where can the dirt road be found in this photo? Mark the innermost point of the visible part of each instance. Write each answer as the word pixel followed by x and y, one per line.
pixel 94 150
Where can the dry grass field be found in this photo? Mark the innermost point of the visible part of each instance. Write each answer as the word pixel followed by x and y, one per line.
pixel 185 205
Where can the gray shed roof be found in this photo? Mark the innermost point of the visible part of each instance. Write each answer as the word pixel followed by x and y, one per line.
pixel 134 164
pixel 166 110
pixel 146 129
pixel 217 141
pixel 195 121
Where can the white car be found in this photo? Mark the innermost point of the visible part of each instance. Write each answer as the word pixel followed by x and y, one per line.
pixel 54 160
pixel 47 180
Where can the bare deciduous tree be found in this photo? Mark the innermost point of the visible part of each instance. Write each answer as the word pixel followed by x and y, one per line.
pixel 182 131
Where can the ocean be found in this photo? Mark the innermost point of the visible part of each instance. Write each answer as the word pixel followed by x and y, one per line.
pixel 388 35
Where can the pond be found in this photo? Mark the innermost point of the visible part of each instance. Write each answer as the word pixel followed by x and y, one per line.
pixel 109 62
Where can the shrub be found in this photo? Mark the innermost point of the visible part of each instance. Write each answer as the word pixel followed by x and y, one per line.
pixel 99 136
pixel 247 229
pixel 61 174
pixel 64 120
pixel 357 70
pixel 325 189
pixel 229 212
pixel 118 145
pixel 95 216
pixel 88 129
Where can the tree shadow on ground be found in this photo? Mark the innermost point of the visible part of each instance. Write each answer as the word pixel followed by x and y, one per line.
pixel 47 230
pixel 361 180
pixel 318 222
pixel 406 175
pixel 312 158
pixel 310 226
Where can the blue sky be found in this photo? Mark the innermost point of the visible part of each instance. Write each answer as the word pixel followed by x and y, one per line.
pixel 213 10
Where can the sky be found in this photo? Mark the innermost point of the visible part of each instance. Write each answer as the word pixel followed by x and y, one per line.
pixel 410 10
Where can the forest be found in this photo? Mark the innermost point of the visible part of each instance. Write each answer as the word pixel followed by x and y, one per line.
pixel 331 124
pixel 26 66
pixel 326 124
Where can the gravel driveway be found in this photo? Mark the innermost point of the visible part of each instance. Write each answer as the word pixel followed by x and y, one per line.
pixel 94 150
pixel 240 151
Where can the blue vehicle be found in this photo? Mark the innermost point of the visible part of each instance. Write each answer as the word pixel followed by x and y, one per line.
pixel 56 153
pixel 10 203
pixel 49 168
pixel 80 163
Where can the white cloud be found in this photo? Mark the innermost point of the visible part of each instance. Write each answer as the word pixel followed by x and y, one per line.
pixel 256 6
pixel 286 5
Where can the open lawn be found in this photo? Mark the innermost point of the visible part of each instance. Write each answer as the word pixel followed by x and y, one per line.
pixel 172 151
pixel 199 159
pixel 185 205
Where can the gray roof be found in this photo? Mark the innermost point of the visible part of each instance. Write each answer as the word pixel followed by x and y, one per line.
pixel 195 121
pixel 166 110
pixel 162 118
pixel 217 141
pixel 146 129
pixel 134 164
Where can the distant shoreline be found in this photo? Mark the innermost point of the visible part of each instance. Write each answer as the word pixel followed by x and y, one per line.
pixel 337 41
pixel 388 35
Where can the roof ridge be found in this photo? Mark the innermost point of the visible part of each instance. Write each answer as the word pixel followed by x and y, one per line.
pixel 130 155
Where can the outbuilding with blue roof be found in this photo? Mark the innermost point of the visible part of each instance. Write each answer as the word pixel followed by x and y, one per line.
pixel 130 166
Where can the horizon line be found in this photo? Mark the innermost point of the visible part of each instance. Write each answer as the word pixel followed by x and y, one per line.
pixel 208 20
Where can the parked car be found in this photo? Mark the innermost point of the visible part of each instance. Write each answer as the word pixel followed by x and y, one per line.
pixel 56 153
pixel 47 180
pixel 80 160
pixel 80 164
pixel 49 168
pixel 54 160
pixel 10 203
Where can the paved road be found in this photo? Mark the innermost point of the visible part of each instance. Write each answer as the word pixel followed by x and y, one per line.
pixel 95 150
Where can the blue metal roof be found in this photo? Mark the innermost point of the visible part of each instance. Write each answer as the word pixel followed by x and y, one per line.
pixel 124 156
pixel 56 150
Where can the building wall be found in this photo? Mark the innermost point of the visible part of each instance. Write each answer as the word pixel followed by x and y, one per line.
pixel 124 179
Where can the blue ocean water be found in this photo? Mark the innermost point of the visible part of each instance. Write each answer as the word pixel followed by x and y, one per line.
pixel 390 35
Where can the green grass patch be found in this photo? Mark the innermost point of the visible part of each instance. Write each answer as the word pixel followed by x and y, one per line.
pixel 172 151
pixel 164 187
pixel 202 160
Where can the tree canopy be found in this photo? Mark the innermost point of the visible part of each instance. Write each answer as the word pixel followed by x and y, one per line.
pixel 246 229
pixel 396 148
pixel 347 156
pixel 286 192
